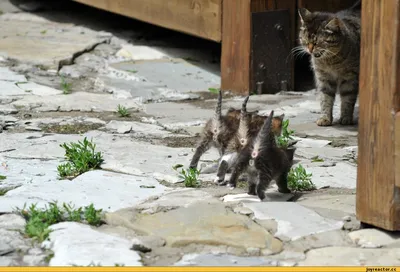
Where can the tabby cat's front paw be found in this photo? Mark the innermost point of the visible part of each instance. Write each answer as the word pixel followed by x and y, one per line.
pixel 324 121
pixel 346 120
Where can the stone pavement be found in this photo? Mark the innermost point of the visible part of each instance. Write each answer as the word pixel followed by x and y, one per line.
pixel 163 78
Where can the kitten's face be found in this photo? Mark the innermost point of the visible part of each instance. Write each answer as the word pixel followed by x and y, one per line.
pixel 320 34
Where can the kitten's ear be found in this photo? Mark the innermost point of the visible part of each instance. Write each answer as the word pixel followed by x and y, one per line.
pixel 304 14
pixel 281 117
pixel 334 24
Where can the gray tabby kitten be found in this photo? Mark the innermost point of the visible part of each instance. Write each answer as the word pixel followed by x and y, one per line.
pixel 263 161
pixel 333 41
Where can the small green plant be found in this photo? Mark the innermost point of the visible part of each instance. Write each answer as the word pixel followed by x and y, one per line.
pixel 317 159
pixel 65 86
pixel 92 216
pixel 300 180
pixel 189 176
pixel 2 177
pixel 43 32
pixel 48 258
pixel 39 220
pixel 132 71
pixel 122 111
pixel 286 135
pixel 213 90
pixel 81 157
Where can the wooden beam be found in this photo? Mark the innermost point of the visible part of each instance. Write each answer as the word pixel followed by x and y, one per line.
pixel 200 18
pixel 235 55
pixel 378 192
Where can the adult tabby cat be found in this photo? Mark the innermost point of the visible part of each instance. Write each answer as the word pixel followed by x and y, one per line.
pixel 333 41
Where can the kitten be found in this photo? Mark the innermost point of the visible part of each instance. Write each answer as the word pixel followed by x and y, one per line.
pixel 333 41
pixel 263 161
pixel 218 131
pixel 249 126
pixel 235 144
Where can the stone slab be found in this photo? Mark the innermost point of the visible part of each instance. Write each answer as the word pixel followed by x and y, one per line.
pixel 41 42
pixel 106 190
pixel 374 238
pixel 223 260
pixel 78 244
pixel 79 101
pixel 201 223
pixel 294 221
pixel 350 256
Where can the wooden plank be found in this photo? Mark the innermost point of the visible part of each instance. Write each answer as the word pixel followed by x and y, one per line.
pixel 200 18
pixel 378 198
pixel 235 55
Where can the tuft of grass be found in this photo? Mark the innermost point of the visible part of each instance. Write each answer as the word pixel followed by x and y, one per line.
pixel 132 71
pixel 81 157
pixel 300 180
pixel 48 258
pixel 92 216
pixel 43 32
pixel 2 177
pixel 189 176
pixel 317 159
pixel 3 191
pixel 286 135
pixel 123 111
pixel 38 220
pixel 213 90
pixel 65 86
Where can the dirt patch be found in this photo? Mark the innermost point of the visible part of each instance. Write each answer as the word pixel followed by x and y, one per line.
pixel 78 128
pixel 189 142
pixel 105 116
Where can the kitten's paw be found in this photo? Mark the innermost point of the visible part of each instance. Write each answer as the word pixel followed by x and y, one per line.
pixel 230 185
pixel 324 121
pixel 218 181
pixel 251 193
pixel 222 183
pixel 346 120
pixel 261 195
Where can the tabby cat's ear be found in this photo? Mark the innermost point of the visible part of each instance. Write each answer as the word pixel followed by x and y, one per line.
pixel 304 14
pixel 282 116
pixel 334 24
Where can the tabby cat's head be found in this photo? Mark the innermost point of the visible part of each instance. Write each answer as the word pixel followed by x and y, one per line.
pixel 321 34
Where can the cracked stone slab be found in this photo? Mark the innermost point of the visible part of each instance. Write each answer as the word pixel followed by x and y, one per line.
pixel 106 190
pixel 223 260
pixel 79 101
pixel 40 42
pixel 337 175
pixel 200 223
pixel 137 155
pixel 350 256
pixel 344 203
pixel 8 75
pixel 137 129
pixel 294 221
pixel 79 244
pixel 37 89
pixel 176 75
pixel 373 238
pixel 178 198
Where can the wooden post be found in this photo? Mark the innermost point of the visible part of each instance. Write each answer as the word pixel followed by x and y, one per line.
pixel 378 179
pixel 236 54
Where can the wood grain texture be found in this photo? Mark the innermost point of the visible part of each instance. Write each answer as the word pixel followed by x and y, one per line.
pixel 200 18
pixel 378 198
pixel 235 55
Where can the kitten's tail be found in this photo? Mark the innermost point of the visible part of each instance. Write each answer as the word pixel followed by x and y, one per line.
pixel 266 137
pixel 356 6
pixel 218 108
pixel 243 124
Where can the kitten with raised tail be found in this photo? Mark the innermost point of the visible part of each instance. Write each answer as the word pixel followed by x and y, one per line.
pixel 333 42
pixel 235 144
pixel 263 161
pixel 249 126
pixel 218 131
